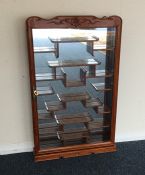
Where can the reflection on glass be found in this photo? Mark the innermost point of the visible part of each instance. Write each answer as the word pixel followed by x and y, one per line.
pixel 74 75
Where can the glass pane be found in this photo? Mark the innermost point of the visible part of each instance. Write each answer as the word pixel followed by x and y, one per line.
pixel 74 82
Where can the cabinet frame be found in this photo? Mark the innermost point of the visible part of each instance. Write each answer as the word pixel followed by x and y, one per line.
pixel 75 22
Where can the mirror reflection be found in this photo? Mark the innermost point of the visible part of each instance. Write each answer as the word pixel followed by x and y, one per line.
pixel 74 75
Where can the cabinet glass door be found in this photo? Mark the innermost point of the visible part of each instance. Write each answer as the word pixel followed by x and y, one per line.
pixel 74 70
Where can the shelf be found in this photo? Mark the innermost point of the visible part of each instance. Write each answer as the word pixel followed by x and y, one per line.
pixel 72 39
pixel 54 106
pixel 48 126
pixel 99 73
pixel 44 49
pixel 73 118
pixel 43 115
pixel 47 136
pixel 100 87
pixel 103 110
pixel 48 77
pixel 45 90
pixel 93 126
pixel 73 135
pixel 73 63
pixel 93 102
pixel 101 48
pixel 73 97
pixel 75 83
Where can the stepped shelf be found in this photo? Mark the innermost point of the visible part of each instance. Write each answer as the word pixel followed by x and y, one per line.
pixel 74 83
pixel 47 126
pixel 73 63
pixel 95 125
pixel 103 110
pixel 48 77
pixel 91 47
pixel 54 106
pixel 99 73
pixel 44 115
pixel 71 39
pixel 73 135
pixel 100 47
pixel 44 50
pixel 45 90
pixel 73 118
pixel 73 97
pixel 100 87
pixel 93 102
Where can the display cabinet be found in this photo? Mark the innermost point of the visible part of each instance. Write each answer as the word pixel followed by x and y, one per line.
pixel 74 69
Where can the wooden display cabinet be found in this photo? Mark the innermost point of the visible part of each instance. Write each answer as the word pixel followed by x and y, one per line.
pixel 74 69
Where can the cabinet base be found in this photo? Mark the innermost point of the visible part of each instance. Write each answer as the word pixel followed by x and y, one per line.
pixel 74 153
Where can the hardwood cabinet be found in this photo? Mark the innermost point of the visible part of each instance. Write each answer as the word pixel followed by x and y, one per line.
pixel 74 68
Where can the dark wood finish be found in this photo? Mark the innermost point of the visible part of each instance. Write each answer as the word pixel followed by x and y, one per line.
pixel 82 22
pixel 100 148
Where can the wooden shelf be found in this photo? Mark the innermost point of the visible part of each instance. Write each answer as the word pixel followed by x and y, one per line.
pixel 73 118
pixel 73 135
pixel 100 87
pixel 45 90
pixel 48 136
pixel 48 77
pixel 47 126
pixel 101 48
pixel 43 115
pixel 99 73
pixel 73 97
pixel 103 110
pixel 93 102
pixel 72 63
pixel 103 73
pixel 72 39
pixel 44 50
pixel 54 106
pixel 93 126
pixel 75 83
